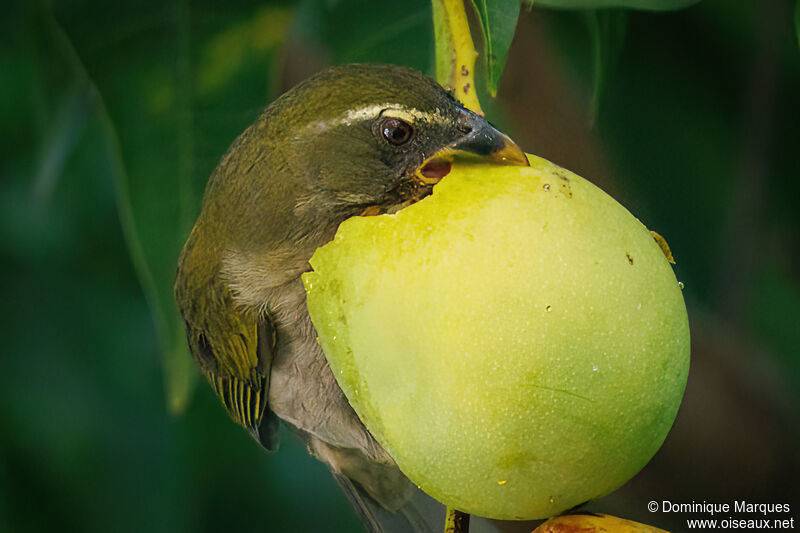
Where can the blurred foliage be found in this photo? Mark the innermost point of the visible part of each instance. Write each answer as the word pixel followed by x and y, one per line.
pixel 607 29
pixel 194 70
pixel 650 5
pixel 361 32
pixel 797 20
pixel 114 116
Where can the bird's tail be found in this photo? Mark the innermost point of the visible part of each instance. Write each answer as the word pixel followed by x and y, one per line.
pixel 420 514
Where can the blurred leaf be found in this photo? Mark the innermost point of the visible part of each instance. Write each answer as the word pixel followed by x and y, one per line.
pixel 775 305
pixel 177 84
pixel 648 5
pixel 63 134
pixel 146 245
pixel 356 31
pixel 498 20
pixel 607 30
pixel 797 20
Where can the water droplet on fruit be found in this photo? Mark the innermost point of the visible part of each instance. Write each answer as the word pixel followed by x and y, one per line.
pixel 548 308
pixel 552 500
pixel 594 368
pixel 502 482
pixel 546 187
pixel 680 285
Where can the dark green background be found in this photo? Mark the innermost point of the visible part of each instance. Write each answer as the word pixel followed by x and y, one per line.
pixel 695 131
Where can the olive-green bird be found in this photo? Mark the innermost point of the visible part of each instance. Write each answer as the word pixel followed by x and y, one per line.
pixel 352 140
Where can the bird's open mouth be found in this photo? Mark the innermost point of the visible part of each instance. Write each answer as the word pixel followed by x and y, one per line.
pixel 429 174
pixel 433 170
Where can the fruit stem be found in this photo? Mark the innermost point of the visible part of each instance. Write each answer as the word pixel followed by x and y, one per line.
pixel 455 52
pixel 456 521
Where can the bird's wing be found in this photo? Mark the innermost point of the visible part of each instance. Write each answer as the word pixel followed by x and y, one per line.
pixel 234 349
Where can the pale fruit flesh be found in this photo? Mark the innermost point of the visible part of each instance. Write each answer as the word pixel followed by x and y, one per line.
pixel 517 341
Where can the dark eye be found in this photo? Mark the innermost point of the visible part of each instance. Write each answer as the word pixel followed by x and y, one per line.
pixel 396 131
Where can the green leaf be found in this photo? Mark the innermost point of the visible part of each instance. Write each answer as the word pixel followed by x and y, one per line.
pixel 607 30
pixel 76 105
pixel 797 20
pixel 354 31
pixel 498 19
pixel 648 5
pixel 177 85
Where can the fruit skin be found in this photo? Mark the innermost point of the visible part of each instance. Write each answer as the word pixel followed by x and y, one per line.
pixel 594 523
pixel 517 341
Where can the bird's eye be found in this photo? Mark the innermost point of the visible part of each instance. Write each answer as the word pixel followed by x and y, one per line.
pixel 396 131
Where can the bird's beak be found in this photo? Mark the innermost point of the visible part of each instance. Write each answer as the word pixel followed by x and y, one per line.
pixel 481 143
pixel 487 143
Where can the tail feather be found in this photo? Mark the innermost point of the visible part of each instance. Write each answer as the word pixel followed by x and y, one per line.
pixel 421 514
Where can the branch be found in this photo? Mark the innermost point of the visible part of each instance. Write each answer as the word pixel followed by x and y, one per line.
pixel 455 52
pixel 456 521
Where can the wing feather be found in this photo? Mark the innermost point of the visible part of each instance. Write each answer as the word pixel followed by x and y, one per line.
pixel 234 350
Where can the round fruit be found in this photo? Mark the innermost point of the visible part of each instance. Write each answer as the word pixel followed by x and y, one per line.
pixel 517 341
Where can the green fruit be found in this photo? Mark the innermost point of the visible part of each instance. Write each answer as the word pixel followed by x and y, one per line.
pixel 517 341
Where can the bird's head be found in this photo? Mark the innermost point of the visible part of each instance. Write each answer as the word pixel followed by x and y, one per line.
pixel 373 138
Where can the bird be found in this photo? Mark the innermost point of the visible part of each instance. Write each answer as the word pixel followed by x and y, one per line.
pixel 352 140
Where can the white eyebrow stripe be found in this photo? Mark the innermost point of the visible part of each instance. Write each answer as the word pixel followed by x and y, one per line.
pixel 363 113
pixel 373 111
